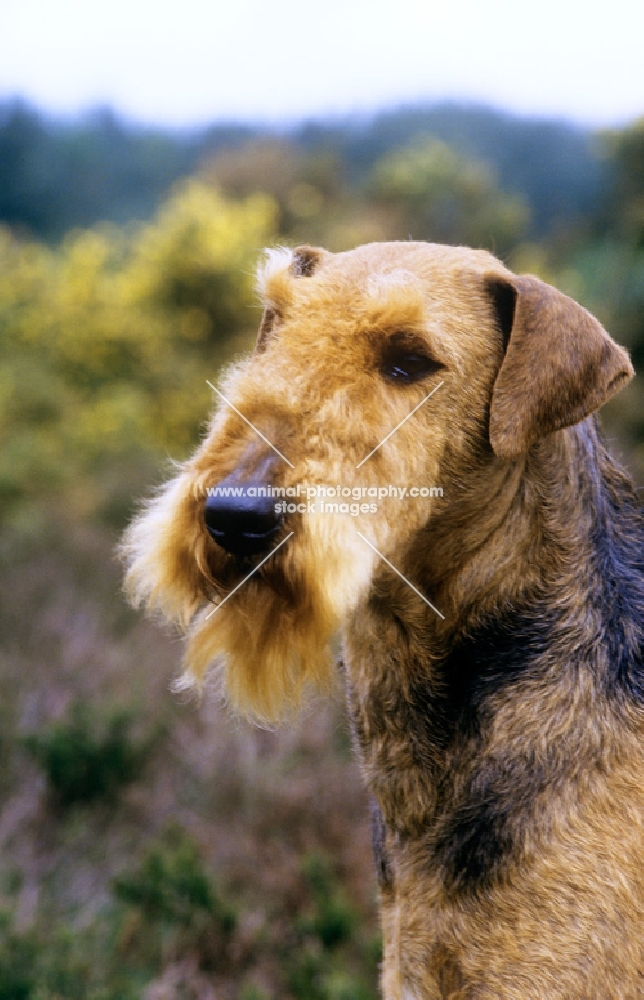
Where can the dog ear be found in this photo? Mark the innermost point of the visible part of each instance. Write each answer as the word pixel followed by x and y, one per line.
pixel 269 318
pixel 305 261
pixel 559 366
pixel 274 284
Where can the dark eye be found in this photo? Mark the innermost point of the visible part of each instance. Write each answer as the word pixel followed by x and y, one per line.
pixel 404 365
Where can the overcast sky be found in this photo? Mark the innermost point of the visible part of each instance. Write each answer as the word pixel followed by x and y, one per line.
pixel 199 60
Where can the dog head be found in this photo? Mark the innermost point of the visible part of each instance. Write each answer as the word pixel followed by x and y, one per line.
pixel 391 367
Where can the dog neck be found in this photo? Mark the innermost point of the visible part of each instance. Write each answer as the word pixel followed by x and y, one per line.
pixel 445 681
pixel 512 535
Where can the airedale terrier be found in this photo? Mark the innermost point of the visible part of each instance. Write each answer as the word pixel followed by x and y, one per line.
pixel 409 459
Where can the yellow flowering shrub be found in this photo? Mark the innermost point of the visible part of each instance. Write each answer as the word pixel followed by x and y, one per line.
pixel 107 341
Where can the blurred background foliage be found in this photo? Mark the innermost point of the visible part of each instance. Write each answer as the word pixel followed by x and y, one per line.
pixel 108 337
pixel 150 848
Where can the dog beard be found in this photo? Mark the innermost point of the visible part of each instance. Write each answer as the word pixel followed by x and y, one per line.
pixel 271 641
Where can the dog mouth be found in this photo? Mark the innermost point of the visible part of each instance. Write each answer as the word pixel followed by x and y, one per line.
pixel 253 558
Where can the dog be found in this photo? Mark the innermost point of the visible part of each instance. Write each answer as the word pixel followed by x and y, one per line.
pixel 481 558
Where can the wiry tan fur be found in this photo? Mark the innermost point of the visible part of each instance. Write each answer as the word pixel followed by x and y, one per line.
pixel 503 743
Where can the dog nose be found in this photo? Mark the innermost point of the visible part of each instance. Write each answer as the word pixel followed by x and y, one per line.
pixel 243 525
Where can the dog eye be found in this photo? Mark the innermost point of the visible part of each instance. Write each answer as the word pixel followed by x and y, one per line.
pixel 405 366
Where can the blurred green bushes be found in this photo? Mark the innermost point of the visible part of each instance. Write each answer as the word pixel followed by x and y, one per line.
pixel 330 958
pixel 85 758
pixel 442 196
pixel 171 905
pixel 170 912
pixel 56 175
pixel 158 913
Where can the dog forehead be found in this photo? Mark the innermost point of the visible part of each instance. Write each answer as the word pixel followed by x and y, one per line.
pixel 434 290
pixel 432 273
pixel 423 259
pixel 421 286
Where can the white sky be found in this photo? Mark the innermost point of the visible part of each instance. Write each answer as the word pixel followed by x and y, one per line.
pixel 195 61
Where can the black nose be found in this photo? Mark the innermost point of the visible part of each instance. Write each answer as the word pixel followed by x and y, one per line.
pixel 243 525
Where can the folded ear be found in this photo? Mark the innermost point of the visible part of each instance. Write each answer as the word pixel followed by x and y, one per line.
pixel 269 319
pixel 560 364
